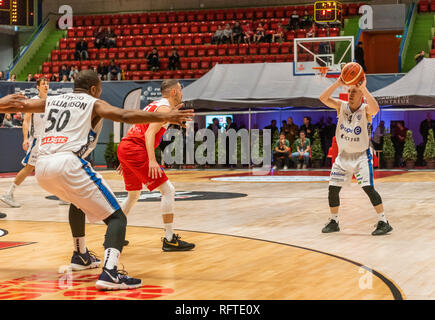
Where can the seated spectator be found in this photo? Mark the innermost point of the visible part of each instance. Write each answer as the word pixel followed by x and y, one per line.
pixel 378 136
pixel 278 33
pixel 281 153
pixel 53 78
pixel 306 20
pixel 311 33
pixel 7 121
pixel 227 34
pixel 247 33
pixel 100 38
pixel 64 78
pixel 418 57
pixel 237 34
pixel 110 39
pixel 114 71
pixel 17 120
pixel 81 52
pixel 294 20
pixel 290 130
pixel 302 153
pixel 174 60
pixel 102 71
pixel 153 60
pixel 12 78
pixel 217 37
pixel 64 71
pixel 259 33
pixel 30 78
pixel 73 73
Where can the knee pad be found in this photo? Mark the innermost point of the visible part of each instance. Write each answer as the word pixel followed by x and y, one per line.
pixel 168 197
pixel 333 196
pixel 374 196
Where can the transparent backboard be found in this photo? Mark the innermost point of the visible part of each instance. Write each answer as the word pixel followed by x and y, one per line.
pixel 331 52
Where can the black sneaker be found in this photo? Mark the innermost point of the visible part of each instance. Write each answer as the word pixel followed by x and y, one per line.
pixel 382 228
pixel 116 280
pixel 176 244
pixel 332 226
pixel 84 261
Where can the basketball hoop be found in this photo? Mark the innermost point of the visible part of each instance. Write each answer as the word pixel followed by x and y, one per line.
pixel 320 72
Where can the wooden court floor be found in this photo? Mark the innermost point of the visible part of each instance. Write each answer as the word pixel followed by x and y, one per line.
pixel 266 244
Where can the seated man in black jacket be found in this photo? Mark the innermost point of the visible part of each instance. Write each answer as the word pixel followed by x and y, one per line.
pixel 81 52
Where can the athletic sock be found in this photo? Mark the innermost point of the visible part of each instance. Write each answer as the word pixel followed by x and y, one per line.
pixel 80 244
pixel 111 256
pixel 12 189
pixel 382 217
pixel 334 217
pixel 168 231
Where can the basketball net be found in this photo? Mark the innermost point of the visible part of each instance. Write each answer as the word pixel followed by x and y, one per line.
pixel 320 72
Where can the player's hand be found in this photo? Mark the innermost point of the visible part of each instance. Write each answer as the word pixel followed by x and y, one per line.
pixel 340 81
pixel 15 100
pixel 119 170
pixel 154 170
pixel 363 83
pixel 25 144
pixel 179 117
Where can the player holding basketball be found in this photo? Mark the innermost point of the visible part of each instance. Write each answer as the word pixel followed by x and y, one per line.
pixel 139 166
pixel 353 139
pixel 72 123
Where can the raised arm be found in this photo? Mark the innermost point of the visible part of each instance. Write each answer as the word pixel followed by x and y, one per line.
pixel 372 104
pixel 27 105
pixel 326 99
pixel 105 110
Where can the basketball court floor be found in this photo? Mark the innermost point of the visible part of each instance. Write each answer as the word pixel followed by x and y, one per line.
pixel 257 237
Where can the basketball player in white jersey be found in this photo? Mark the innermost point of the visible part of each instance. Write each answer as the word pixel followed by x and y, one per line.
pixel 32 129
pixel 354 154
pixel 72 123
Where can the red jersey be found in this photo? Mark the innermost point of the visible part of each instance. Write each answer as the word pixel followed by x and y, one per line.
pixel 137 132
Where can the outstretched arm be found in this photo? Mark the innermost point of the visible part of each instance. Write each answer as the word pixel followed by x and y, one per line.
pixel 326 99
pixel 12 103
pixel 25 105
pixel 373 106
pixel 105 110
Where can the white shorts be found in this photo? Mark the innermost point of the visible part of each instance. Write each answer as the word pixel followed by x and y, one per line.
pixel 348 164
pixel 72 179
pixel 32 153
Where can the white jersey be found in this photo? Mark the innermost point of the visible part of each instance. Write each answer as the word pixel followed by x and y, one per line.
pixel 36 128
pixel 68 125
pixel 353 129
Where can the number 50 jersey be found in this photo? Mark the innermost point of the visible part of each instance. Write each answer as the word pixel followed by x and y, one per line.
pixel 68 125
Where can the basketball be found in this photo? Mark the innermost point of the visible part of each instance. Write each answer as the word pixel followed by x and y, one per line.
pixel 352 74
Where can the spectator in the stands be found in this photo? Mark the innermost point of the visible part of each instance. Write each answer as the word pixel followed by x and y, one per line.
pixel 247 33
pixel 278 33
pixel 53 78
pixel 64 71
pixel 418 57
pixel 100 37
pixel 114 71
pixel 17 120
pixel 215 127
pixel 237 34
pixel 398 138
pixel 308 128
pixel 273 129
pixel 30 78
pixel 174 60
pixel 102 71
pixel 73 73
pixel 110 39
pixel 12 78
pixel 81 52
pixel 7 121
pixel 217 37
pixel 311 33
pixel 227 34
pixel 302 152
pixel 153 60
pixel 378 136
pixel 281 153
pixel 330 131
pixel 64 78
pixel 230 124
pixel 290 130
pixel 294 20
pixel 306 20
pixel 259 33
pixel 359 55
pixel 425 126
pixel 1 76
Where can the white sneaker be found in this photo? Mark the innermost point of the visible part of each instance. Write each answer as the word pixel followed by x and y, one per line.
pixel 63 203
pixel 285 167
pixel 299 166
pixel 304 166
pixel 9 200
pixel 274 167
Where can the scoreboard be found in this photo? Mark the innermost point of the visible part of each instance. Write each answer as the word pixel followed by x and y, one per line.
pixel 17 12
pixel 327 11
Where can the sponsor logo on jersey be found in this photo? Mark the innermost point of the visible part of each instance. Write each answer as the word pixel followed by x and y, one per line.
pixel 345 129
pixel 54 140
pixel 357 130
pixel 359 117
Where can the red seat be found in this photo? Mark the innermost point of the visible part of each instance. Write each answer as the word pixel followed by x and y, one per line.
pixel 138 41
pixel 322 32
pixel 158 40
pixel 191 51
pixel 89 32
pixel 213 26
pixel 155 29
pixel 195 16
pixel 203 27
pixel 153 18
pixel 120 42
pixel 205 63
pixel 259 13
pixel 126 31
pixel 162 17
pixel 181 17
pixel 432 53
pixel 353 9
pixel 270 59
pixel 263 48
pixel 274 48
pixel 131 53
pixel 125 19
pixel 93 54
pixel 201 51
pixel 136 75
pixel 230 14
pixel 258 59
pixel 85 65
pixel 290 35
pixel 79 21
pixel 164 29
pixel 116 19
pixel 102 54
pixel 301 33
pixel 249 14
pixel 88 21
pixel 184 63
pixel 55 55
pixel 188 39
pixel 194 63
pixel 226 60
pixel 285 48
pixel 178 74
pixel 237 60
pixel 72 43
pixel 184 28
pixel 98 20
pixel 211 50
pixel 168 39
pixel 210 16
pixel 136 30
pixel 157 75
pixel 280 58
pixel 55 67
pixel 172 17
pixel 174 28
pixel 270 13
pixel 248 59
pixel 181 50
pixel 194 27
pixel 222 50
pixel 199 73
pixel 178 40
pixel 143 65
pixel 134 18
pixel 189 74
pixel 164 63
pixel 243 49
pixel 46 67
pixel 232 49
pixel 198 39
pixel 123 64
pixel 148 41
pixel 220 15
pixel 129 41
pixel 112 53
pixel 122 53
pixel 215 60
pixel 143 18
pixel 168 74
pixel 334 32
pixel 253 49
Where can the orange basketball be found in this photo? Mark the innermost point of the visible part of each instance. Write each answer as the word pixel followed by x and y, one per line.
pixel 352 74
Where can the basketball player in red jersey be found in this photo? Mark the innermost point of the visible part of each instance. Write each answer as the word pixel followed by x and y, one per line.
pixel 139 166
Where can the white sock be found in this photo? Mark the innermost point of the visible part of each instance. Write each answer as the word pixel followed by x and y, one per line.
pixel 12 189
pixel 168 231
pixel 382 217
pixel 132 198
pixel 80 244
pixel 111 256
pixel 334 217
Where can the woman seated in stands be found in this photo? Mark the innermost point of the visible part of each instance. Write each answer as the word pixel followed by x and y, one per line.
pixel 259 33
